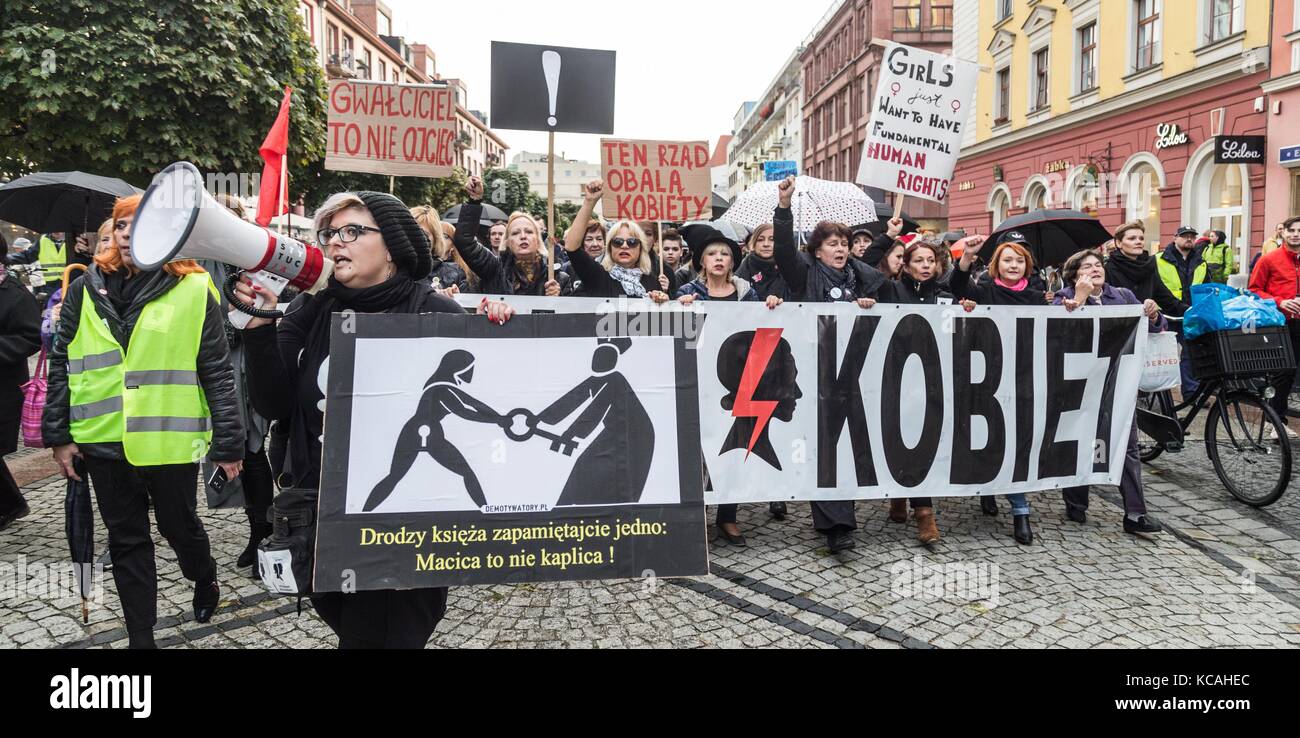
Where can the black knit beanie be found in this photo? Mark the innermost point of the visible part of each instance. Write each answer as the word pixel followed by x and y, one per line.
pixel 406 240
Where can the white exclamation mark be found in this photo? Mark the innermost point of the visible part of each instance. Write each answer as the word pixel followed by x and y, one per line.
pixel 551 68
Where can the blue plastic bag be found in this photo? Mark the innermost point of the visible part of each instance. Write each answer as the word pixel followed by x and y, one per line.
pixel 1218 307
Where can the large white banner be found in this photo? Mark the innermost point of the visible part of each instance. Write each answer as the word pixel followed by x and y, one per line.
pixel 827 402
pixel 919 108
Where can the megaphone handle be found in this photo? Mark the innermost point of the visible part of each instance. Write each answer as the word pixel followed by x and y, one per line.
pixel 244 307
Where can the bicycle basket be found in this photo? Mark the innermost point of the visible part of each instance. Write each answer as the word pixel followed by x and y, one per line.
pixel 1237 352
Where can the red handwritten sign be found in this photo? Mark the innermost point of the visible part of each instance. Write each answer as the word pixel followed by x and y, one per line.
pixel 401 130
pixel 655 180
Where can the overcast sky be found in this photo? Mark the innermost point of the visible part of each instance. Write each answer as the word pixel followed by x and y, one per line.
pixel 684 66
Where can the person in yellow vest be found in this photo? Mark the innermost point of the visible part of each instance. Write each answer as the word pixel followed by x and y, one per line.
pixel 51 250
pixel 1181 267
pixel 141 388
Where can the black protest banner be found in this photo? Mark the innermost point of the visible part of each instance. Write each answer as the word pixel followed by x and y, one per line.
pixel 462 464
pixel 552 88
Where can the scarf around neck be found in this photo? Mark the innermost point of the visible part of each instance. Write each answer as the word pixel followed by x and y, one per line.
pixel 825 280
pixel 1014 287
pixel 630 280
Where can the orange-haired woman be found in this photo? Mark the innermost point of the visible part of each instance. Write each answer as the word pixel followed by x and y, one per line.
pixel 141 387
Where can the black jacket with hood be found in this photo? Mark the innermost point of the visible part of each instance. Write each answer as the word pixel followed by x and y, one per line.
pixel 216 376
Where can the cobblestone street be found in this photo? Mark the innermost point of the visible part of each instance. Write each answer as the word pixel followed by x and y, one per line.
pixel 1223 575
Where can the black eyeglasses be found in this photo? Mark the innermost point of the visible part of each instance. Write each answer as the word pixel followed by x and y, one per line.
pixel 346 234
pixel 633 242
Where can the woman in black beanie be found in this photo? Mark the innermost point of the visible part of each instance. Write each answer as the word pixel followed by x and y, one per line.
pixel 381 265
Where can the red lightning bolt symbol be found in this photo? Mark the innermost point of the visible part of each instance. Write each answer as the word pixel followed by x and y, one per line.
pixel 760 353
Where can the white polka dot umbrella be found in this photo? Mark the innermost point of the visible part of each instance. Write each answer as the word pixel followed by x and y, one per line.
pixel 815 200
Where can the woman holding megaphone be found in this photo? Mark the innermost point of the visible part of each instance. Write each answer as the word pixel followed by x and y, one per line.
pixel 141 387
pixel 382 262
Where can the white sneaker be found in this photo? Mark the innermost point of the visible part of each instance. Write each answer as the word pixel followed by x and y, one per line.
pixel 1272 434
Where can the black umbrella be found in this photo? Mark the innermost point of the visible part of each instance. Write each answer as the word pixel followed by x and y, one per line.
pixel 53 202
pixel 719 205
pixel 491 214
pixel 1054 235
pixel 79 527
pixel 885 211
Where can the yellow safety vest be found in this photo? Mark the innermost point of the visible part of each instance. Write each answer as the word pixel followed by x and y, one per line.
pixel 149 400
pixel 1170 276
pixel 52 259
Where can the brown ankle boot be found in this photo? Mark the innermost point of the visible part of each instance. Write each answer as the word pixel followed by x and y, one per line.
pixel 898 510
pixel 926 531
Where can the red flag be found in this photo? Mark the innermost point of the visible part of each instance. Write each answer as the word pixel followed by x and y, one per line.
pixel 271 201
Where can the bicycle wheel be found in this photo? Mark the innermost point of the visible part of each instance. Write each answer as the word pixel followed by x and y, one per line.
pixel 1156 402
pixel 1248 445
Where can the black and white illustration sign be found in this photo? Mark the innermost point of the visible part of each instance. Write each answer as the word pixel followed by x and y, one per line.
pixel 552 88
pixel 833 402
pixel 448 426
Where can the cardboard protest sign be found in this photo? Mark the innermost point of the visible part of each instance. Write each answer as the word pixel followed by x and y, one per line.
pixel 552 88
pixel 443 469
pixel 399 130
pixel 918 112
pixel 655 180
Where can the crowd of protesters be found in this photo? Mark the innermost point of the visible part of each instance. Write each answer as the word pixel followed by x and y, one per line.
pixel 253 398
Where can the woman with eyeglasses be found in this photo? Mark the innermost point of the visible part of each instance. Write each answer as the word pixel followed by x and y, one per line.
pixel 141 387
pixel 626 270
pixel 381 265
pixel 1086 283
pixel 521 269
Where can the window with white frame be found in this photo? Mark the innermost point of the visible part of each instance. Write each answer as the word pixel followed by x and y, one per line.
pixel 1003 96
pixel 1088 57
pixel 1004 9
pixel 1225 18
pixel 1147 41
pixel 1041 81
pixel 1295 56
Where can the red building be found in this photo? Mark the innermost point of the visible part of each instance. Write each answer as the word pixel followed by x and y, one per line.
pixel 840 69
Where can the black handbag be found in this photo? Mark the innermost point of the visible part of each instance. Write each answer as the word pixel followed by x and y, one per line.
pixel 285 559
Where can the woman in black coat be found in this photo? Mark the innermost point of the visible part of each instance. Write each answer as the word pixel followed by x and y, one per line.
pixel 519 270
pixel 381 265
pixel 626 269
pixel 1130 266
pixel 918 285
pixel 20 337
pixel 824 273
pixel 759 265
pixel 1008 284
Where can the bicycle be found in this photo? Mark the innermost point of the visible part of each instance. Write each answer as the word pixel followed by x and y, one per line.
pixel 1245 439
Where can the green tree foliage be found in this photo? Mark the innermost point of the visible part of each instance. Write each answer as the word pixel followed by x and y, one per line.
pixel 124 88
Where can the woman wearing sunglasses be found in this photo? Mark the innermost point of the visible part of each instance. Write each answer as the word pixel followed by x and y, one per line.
pixel 625 270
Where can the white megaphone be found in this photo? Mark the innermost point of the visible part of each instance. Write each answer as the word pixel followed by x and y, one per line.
pixel 178 219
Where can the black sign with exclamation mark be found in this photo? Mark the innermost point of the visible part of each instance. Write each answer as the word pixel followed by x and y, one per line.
pixel 552 88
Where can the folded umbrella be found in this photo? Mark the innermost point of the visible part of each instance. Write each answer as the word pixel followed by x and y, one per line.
pixel 1054 235
pixel 815 200
pixel 68 202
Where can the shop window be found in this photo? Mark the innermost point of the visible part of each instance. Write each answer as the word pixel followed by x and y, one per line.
pixel 1144 201
pixel 1001 206
pixel 1295 192
pixel 1225 212
pixel 1037 199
